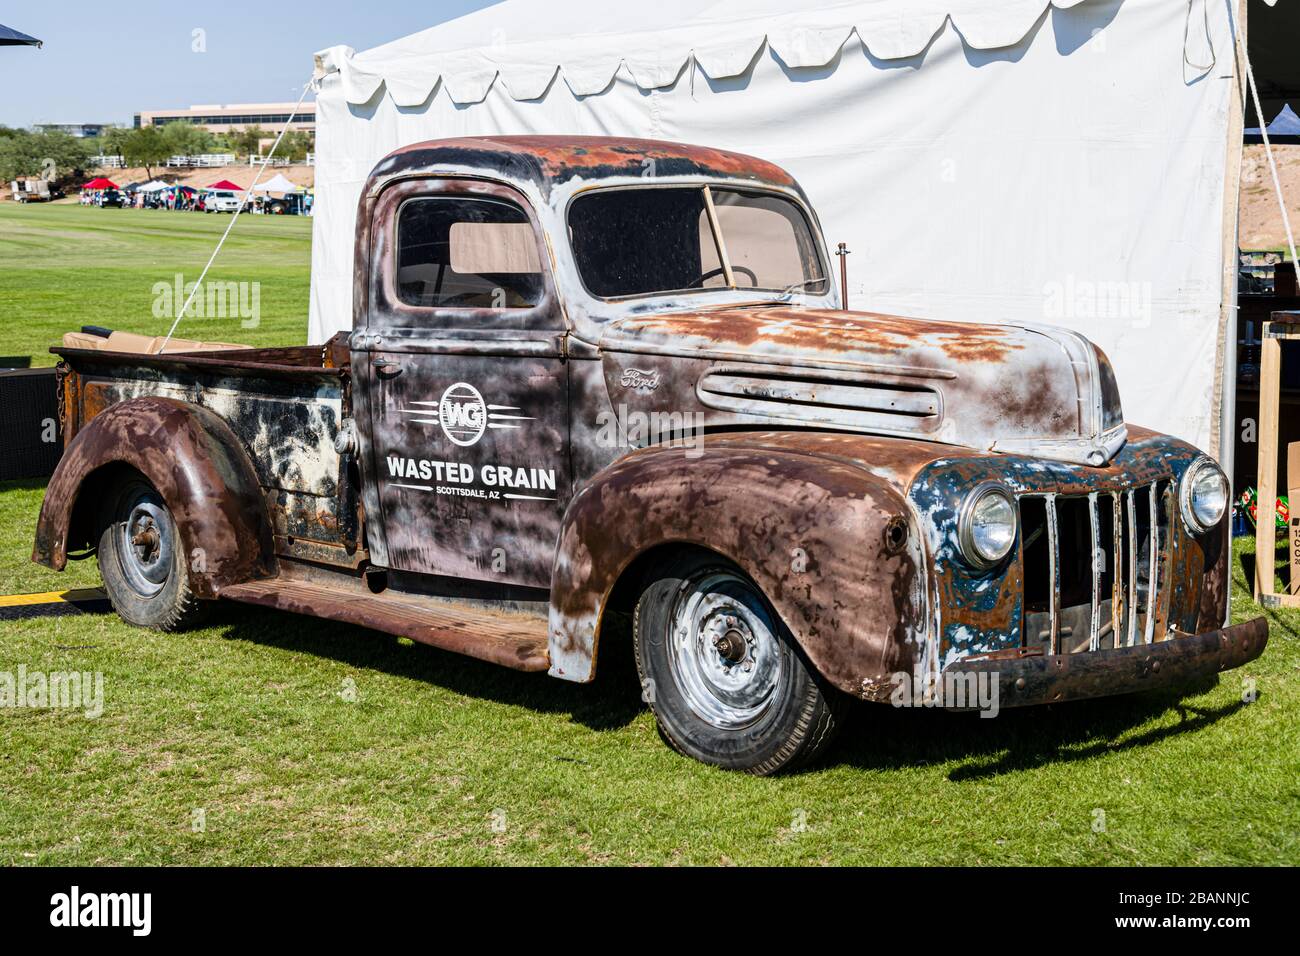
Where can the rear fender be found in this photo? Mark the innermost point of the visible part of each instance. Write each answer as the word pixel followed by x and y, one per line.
pixel 193 459
pixel 813 534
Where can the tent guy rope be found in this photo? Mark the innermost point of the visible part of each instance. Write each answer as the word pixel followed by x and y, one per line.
pixel 1268 151
pixel 243 202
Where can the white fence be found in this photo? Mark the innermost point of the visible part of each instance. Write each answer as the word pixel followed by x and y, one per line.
pixel 108 162
pixel 203 161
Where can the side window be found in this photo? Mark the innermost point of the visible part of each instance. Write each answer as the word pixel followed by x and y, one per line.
pixel 461 252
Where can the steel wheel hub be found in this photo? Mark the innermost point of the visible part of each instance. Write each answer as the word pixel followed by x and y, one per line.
pixel 146 546
pixel 725 657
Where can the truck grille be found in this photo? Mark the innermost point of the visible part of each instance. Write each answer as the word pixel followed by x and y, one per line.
pixel 1097 568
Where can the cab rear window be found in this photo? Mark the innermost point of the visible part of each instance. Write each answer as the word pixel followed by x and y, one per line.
pixel 467 252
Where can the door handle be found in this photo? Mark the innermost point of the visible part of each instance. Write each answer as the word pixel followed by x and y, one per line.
pixel 386 368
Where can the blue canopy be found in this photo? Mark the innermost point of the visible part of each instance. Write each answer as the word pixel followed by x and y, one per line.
pixel 1286 123
pixel 11 37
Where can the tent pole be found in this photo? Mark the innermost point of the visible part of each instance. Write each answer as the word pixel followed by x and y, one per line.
pixel 1226 366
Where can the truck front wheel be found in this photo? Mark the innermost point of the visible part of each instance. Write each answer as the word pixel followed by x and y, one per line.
pixel 142 558
pixel 725 678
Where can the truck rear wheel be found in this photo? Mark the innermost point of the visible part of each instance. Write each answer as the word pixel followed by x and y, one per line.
pixel 142 559
pixel 724 676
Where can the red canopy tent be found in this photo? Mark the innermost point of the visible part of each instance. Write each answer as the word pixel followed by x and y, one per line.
pixel 227 184
pixel 100 183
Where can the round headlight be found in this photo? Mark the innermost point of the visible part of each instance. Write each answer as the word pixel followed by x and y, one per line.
pixel 987 528
pixel 1203 495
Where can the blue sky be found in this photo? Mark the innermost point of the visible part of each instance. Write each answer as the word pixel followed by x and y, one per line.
pixel 143 57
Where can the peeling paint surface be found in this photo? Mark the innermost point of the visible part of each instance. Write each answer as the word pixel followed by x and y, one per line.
pixel 835 452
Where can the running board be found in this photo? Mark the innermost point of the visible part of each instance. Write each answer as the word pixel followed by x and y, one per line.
pixel 513 640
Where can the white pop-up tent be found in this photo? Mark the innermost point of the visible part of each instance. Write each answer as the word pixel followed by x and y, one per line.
pixel 1071 162
pixel 277 184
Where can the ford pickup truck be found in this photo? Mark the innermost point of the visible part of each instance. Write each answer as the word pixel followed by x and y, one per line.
pixel 594 381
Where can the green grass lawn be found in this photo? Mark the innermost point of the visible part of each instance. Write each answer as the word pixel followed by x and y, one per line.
pixel 299 741
pixel 62 267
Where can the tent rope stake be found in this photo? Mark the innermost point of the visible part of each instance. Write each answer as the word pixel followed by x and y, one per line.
pixel 244 202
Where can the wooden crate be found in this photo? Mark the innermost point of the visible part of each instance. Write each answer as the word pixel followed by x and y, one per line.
pixel 1281 327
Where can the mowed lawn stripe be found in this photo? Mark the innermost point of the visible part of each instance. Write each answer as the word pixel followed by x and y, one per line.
pixel 65 266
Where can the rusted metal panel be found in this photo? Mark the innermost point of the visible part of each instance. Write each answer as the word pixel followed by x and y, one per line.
pixel 289 361
pixel 489 509
pixel 485 506
pixel 810 530
pixel 511 640
pixel 285 408
pixel 288 428
pixel 982 386
pixel 1048 680
pixel 1214 581
pixel 194 460
pixel 549 160
pixel 980 611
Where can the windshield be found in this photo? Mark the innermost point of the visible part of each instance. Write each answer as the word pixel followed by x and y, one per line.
pixel 653 240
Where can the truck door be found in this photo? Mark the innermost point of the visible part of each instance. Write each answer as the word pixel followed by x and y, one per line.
pixel 467 384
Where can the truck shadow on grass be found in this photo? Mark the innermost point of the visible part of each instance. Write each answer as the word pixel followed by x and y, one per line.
pixel 611 702
pixel 876 736
pixel 887 738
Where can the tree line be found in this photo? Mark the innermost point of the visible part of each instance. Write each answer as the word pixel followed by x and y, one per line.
pixel 56 155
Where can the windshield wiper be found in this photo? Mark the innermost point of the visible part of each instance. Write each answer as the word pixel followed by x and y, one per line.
pixel 788 292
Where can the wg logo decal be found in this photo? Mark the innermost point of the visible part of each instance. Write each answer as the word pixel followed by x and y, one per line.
pixel 462 414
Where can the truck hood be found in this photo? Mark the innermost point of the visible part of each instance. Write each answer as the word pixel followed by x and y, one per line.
pixel 1035 390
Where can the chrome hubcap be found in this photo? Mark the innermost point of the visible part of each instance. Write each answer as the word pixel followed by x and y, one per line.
pixel 145 540
pixel 725 657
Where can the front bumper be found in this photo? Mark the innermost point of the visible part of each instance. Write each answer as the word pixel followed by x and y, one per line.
pixel 1048 679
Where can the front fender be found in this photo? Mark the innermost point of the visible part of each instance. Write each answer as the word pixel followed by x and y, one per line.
pixel 193 459
pixel 811 532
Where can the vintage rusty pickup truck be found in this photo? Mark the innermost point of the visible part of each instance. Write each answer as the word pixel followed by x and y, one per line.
pixel 595 380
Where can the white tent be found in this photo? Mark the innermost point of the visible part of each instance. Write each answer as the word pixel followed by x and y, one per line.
pixel 155 186
pixel 1071 162
pixel 277 184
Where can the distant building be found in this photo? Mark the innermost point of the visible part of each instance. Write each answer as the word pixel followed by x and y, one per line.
pixel 79 130
pixel 235 117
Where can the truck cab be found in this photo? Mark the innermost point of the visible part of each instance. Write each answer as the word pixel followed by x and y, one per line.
pixel 592 380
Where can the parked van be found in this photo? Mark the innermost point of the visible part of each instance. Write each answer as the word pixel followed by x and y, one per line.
pixel 221 200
